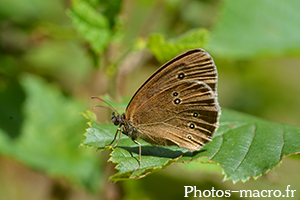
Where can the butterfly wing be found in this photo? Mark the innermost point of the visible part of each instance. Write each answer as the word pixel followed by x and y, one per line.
pixel 195 64
pixel 178 104
pixel 187 119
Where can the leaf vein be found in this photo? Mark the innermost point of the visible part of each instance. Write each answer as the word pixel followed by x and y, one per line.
pixel 218 148
pixel 247 150
pixel 281 149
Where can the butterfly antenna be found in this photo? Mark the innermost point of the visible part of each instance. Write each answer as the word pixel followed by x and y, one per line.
pixel 102 100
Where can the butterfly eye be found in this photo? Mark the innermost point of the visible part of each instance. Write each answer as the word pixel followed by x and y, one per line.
pixel 195 114
pixel 175 94
pixel 192 126
pixel 177 101
pixel 181 75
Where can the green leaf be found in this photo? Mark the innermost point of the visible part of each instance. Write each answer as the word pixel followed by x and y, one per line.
pixel 111 9
pixel 256 28
pixel 92 25
pixel 245 146
pixel 49 135
pixel 165 50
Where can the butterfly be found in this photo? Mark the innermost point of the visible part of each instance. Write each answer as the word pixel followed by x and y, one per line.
pixel 177 105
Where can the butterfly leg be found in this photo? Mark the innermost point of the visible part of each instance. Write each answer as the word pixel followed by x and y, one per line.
pixel 140 152
pixel 119 129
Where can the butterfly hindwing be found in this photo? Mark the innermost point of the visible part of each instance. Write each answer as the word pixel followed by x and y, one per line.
pixel 186 115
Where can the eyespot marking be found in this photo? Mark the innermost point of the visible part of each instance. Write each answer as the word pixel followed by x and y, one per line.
pixel 181 75
pixel 192 126
pixel 177 101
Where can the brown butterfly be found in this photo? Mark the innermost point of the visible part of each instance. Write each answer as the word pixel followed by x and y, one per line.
pixel 177 105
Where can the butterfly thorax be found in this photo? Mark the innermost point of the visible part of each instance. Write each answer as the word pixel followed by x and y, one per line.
pixel 126 127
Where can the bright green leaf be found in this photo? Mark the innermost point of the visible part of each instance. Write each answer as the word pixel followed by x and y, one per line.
pixel 165 50
pixel 244 146
pixel 111 9
pixel 92 25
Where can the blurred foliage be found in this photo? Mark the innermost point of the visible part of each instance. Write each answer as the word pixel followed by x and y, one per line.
pixel 46 139
pixel 55 54
pixel 257 29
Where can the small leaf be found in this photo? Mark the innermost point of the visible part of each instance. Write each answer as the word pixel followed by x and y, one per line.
pixel 244 146
pixel 165 50
pixel 92 25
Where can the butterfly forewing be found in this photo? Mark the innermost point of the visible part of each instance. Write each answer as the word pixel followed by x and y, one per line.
pixel 178 105
pixel 192 65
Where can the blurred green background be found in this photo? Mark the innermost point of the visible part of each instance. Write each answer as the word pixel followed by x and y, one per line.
pixel 51 64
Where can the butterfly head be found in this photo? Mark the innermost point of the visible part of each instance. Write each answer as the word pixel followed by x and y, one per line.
pixel 116 119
